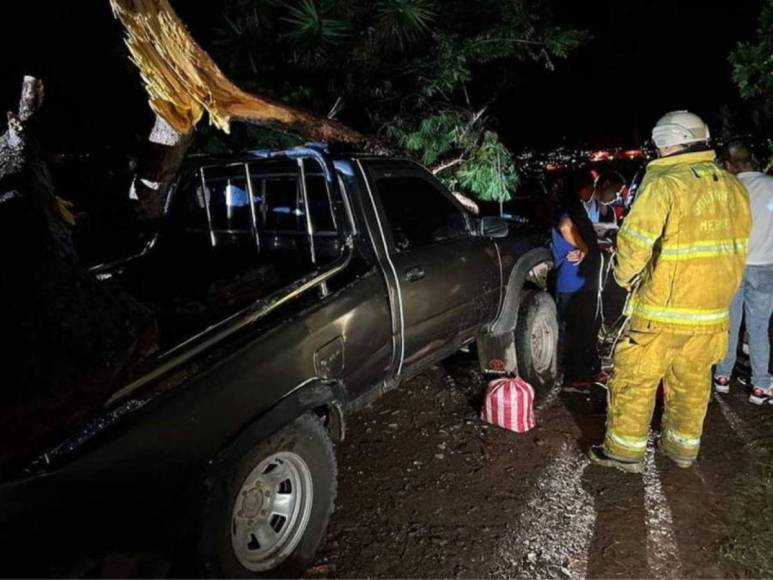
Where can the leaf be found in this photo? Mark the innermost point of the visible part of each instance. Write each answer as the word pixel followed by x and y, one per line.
pixel 404 21
pixel 313 30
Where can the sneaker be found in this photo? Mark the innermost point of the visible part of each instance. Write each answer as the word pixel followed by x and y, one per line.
pixel 722 384
pixel 761 396
pixel 598 456
pixel 679 462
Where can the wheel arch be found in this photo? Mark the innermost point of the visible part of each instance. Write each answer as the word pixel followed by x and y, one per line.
pixel 529 269
pixel 326 399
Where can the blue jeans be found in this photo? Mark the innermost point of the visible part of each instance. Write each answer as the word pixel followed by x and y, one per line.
pixel 755 299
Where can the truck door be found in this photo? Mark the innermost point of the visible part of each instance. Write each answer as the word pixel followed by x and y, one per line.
pixel 449 278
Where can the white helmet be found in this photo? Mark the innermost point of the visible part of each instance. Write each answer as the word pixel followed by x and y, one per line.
pixel 679 128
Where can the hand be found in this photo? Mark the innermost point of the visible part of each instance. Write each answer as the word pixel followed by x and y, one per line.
pixel 576 256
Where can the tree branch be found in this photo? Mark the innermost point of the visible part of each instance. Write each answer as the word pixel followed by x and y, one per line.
pixel 512 40
pixel 447 165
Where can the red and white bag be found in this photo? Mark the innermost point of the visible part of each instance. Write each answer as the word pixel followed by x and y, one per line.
pixel 508 404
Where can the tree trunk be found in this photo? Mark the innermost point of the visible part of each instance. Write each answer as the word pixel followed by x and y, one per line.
pixel 158 168
pixel 183 82
pixel 66 341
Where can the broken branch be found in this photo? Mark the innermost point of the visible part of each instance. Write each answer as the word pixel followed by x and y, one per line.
pixel 183 81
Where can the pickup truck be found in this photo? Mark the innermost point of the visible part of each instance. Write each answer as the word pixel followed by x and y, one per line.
pixel 291 288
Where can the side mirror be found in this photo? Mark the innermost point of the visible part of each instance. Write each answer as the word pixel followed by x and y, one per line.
pixel 494 227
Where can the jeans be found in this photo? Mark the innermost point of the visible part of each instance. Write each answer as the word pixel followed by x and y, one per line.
pixel 578 335
pixel 754 299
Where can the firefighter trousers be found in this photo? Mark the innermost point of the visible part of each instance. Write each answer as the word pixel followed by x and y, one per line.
pixel 641 360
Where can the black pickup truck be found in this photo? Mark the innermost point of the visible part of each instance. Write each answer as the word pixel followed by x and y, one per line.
pixel 290 288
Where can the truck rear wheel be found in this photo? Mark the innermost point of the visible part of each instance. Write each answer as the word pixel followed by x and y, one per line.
pixel 268 513
pixel 536 338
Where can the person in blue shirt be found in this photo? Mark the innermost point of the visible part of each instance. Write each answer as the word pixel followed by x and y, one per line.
pixel 578 262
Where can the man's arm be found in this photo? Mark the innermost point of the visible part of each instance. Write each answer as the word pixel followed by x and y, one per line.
pixel 640 230
pixel 571 234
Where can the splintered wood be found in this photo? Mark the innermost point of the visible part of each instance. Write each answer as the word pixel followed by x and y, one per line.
pixel 183 81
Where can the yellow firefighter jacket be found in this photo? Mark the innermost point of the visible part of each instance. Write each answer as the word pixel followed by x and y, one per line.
pixel 683 245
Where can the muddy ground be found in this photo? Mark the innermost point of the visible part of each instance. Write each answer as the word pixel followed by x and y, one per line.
pixel 427 490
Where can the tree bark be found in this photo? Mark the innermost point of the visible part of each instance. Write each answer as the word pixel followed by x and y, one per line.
pixel 66 341
pixel 158 168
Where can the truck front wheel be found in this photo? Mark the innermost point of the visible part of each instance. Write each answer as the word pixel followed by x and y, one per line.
pixel 536 338
pixel 268 514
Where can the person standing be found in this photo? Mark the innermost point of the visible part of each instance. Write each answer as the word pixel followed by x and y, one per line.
pixel 596 193
pixel 577 261
pixel 755 297
pixel 681 252
pixel 607 190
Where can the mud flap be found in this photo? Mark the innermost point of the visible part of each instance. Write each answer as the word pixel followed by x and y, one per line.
pixel 496 354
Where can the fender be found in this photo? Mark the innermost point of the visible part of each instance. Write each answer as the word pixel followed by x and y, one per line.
pixel 308 395
pixel 508 315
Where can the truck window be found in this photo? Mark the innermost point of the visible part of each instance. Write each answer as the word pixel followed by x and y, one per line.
pixel 280 199
pixel 236 233
pixel 418 212
pixel 227 195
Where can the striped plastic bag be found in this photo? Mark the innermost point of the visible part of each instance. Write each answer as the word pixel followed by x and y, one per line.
pixel 509 404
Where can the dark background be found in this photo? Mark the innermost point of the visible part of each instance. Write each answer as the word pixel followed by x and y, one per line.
pixel 647 57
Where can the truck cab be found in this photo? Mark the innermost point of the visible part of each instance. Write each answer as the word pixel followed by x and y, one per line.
pixel 290 289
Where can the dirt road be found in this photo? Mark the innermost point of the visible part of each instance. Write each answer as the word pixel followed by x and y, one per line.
pixel 427 490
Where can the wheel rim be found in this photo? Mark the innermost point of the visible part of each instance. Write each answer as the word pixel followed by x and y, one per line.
pixel 542 345
pixel 271 511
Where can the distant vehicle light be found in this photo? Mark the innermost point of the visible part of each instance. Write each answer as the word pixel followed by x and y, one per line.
pixel 601 156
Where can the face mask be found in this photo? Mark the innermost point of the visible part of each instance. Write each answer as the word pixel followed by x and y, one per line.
pixel 614 200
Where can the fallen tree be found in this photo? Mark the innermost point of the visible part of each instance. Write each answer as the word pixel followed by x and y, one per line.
pixel 65 338
pixel 183 83
pixel 67 341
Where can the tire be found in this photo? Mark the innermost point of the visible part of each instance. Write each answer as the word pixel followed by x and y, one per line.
pixel 302 455
pixel 536 338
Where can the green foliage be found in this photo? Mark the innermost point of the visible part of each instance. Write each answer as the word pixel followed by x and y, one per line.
pixel 752 70
pixel 753 62
pixel 489 173
pixel 476 161
pixel 561 42
pixel 313 28
pixel 446 68
pixel 402 22
pixel 435 136
pixel 401 68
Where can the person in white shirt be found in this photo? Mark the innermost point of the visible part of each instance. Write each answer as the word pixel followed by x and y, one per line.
pixel 755 296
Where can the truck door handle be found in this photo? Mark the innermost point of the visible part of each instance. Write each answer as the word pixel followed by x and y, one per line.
pixel 413 274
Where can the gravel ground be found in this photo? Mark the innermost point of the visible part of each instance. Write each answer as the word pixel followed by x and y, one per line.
pixel 427 490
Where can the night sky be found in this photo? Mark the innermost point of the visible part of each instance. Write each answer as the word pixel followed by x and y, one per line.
pixel 647 57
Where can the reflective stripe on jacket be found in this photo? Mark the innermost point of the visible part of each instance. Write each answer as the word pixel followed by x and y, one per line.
pixel 684 242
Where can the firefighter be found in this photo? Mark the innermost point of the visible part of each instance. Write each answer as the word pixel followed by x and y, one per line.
pixel 681 253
